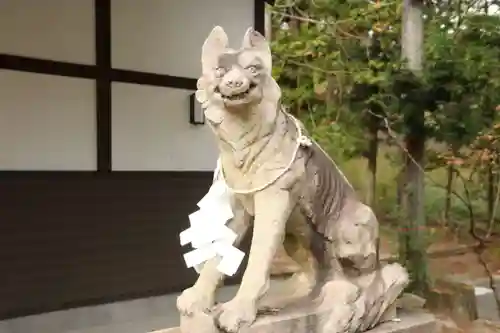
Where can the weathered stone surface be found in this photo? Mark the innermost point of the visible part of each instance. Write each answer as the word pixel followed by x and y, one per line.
pixel 484 326
pixel 454 298
pixel 445 324
pixel 484 295
pixel 294 322
pixel 409 302
pixel 283 264
pixel 486 304
pixel 420 322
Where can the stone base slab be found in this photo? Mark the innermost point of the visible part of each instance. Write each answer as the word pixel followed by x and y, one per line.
pixel 415 322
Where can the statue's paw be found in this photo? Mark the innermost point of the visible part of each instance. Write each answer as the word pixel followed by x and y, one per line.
pixel 341 289
pixel 395 273
pixel 236 314
pixel 194 300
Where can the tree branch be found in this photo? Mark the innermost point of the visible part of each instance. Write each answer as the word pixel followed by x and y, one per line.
pixel 482 242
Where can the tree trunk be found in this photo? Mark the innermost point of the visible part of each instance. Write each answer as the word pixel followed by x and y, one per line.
pixel 268 23
pixel 372 154
pixel 449 187
pixel 412 237
pixel 400 184
pixel 412 244
pixel 491 192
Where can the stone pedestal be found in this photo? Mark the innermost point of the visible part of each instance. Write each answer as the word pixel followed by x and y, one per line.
pixel 297 322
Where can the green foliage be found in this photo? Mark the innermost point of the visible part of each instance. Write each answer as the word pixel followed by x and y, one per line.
pixel 463 76
pixel 329 66
pixel 340 69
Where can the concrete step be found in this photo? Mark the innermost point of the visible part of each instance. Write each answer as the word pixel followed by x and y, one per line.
pixel 486 304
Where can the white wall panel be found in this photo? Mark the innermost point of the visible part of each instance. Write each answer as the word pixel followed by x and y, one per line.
pixel 151 131
pixel 50 29
pixel 165 36
pixel 46 122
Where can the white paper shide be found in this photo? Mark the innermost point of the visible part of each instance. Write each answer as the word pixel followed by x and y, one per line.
pixel 208 233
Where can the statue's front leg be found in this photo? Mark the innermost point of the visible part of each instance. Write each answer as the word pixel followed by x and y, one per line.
pixel 273 207
pixel 200 297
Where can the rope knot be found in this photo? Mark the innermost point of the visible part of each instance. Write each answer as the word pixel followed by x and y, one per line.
pixel 304 141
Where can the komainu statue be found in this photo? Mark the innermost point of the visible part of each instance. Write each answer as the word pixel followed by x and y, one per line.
pixel 292 194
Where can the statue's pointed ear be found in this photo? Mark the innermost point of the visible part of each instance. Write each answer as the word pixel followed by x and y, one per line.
pixel 253 38
pixel 255 41
pixel 214 45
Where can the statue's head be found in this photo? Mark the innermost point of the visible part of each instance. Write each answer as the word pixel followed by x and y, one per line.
pixel 235 78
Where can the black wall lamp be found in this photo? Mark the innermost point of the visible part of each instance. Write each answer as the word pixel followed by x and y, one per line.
pixel 196 114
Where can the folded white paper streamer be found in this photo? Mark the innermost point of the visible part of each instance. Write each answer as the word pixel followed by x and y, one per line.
pixel 208 233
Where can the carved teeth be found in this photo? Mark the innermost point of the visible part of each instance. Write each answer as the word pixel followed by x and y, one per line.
pixel 237 96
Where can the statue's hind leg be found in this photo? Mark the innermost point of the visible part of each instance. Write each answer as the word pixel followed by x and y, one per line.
pixel 282 292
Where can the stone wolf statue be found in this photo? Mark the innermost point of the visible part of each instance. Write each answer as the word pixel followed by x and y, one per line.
pixel 292 194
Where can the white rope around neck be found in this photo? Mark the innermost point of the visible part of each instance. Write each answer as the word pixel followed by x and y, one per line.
pixel 302 140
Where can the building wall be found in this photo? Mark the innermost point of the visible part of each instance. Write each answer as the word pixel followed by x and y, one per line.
pixel 150 124
pixel 151 131
pixel 77 228
pixel 52 119
pixel 47 122
pixel 52 29
pixel 159 37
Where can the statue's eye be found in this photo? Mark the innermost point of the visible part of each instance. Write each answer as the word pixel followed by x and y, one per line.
pixel 252 69
pixel 220 71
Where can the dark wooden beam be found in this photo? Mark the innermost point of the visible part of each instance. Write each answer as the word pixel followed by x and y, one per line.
pixel 259 15
pixel 102 10
pixel 151 79
pixel 61 68
pixel 42 66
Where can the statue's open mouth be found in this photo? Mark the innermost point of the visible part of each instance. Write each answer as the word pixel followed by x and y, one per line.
pixel 239 96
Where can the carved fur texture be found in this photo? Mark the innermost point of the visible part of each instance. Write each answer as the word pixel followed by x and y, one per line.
pixel 307 205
